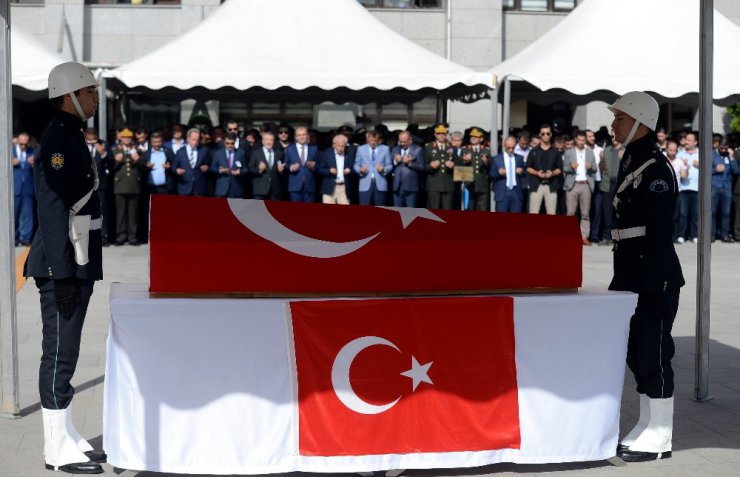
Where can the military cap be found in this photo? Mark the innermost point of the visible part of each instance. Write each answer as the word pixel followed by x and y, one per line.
pixel 126 132
pixel 476 132
pixel 441 128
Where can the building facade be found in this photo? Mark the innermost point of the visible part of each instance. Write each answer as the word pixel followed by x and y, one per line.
pixel 475 33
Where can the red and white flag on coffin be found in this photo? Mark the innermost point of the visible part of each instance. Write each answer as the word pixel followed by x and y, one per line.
pixel 211 246
pixel 395 376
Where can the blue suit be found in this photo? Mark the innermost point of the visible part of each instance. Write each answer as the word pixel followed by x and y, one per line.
pixel 373 184
pixel 507 200
pixel 229 185
pixel 721 194
pixel 23 196
pixel 406 178
pixel 328 161
pixel 301 183
pixel 193 182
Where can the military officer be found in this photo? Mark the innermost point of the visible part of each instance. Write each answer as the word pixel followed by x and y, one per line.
pixel 128 169
pixel 65 259
pixel 439 167
pixel 645 262
pixel 478 157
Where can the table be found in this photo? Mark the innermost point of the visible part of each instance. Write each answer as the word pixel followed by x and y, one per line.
pixel 208 386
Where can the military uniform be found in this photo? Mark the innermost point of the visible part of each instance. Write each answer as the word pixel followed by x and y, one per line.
pixel 645 262
pixel 65 178
pixel 127 176
pixel 480 189
pixel 439 184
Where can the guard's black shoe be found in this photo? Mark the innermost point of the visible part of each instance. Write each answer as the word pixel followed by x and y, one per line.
pixel 95 456
pixel 637 456
pixel 621 448
pixel 78 468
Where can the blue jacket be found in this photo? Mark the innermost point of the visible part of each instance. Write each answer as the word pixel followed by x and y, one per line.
pixel 229 185
pixel 364 157
pixel 23 175
pixel 722 180
pixel 193 182
pixel 304 179
pixel 408 175
pixel 328 161
pixel 499 180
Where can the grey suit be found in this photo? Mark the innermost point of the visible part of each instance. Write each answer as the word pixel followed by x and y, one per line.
pixel 570 173
pixel 578 192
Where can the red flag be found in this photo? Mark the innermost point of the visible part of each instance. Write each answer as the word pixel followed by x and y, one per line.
pixel 252 247
pixel 395 376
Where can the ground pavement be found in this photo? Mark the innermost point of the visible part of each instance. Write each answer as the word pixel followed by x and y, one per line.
pixel 706 435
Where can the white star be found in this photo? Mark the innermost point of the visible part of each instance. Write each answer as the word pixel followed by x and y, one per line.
pixel 409 214
pixel 418 373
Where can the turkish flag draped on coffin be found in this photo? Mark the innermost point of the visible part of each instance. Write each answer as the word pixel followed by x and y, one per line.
pixel 393 376
pixel 202 246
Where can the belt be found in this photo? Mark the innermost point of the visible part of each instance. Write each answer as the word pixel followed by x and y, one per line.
pixel 96 224
pixel 339 183
pixel 581 182
pixel 632 232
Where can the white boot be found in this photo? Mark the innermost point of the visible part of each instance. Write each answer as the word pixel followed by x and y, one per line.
pixel 60 450
pixel 642 422
pixel 655 442
pixel 82 444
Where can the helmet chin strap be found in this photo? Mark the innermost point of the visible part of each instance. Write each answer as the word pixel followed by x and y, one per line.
pixel 82 115
pixel 632 133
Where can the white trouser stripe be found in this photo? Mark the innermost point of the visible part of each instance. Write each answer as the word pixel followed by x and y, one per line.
pixel 54 378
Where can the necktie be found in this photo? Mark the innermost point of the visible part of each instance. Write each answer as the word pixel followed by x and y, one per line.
pixel 192 158
pixel 269 158
pixel 510 180
pixel 303 155
pixel 373 157
pixel 230 159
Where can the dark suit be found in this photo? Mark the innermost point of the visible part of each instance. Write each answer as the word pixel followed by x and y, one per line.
pixel 104 167
pixel 23 197
pixel 268 184
pixel 508 199
pixel 193 182
pixel 328 161
pixel 301 183
pixel 407 177
pixel 227 184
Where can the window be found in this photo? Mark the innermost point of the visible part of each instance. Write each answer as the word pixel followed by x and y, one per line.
pixel 401 3
pixel 539 5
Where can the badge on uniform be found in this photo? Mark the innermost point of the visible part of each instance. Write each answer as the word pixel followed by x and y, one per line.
pixel 57 160
pixel 626 163
pixel 637 181
pixel 658 186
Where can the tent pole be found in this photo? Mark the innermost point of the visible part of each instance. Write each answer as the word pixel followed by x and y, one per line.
pixel 494 121
pixel 703 283
pixel 8 317
pixel 507 109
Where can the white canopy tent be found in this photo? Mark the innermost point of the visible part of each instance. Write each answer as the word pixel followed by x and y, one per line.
pixel 31 61
pixel 269 45
pixel 625 46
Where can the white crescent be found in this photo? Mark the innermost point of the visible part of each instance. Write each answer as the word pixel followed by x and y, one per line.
pixel 253 214
pixel 340 375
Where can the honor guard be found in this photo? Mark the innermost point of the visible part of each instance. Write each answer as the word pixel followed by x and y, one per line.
pixel 65 259
pixel 479 158
pixel 439 166
pixel 645 263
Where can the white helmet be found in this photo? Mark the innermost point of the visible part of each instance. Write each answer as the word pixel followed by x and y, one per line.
pixel 640 106
pixel 68 77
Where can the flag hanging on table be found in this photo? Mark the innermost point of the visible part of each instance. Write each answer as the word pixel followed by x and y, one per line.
pixel 393 376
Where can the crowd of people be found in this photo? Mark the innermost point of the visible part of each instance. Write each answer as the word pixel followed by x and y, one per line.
pixel 543 171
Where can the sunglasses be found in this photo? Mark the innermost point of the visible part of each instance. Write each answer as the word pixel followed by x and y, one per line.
pixel 545 134
pixel 282 132
pixel 232 129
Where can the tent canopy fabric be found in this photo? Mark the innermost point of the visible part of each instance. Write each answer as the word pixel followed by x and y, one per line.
pixel 30 61
pixel 296 44
pixel 626 46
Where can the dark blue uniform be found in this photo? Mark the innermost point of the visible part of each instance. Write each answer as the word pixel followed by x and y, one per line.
pixel 647 263
pixel 63 174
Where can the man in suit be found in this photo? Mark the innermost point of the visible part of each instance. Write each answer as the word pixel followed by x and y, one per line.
pixel 507 173
pixel 191 166
pixel 439 166
pixel 301 159
pixel 99 151
pixel 159 178
pixel 128 168
pixel 177 141
pixel 230 165
pixel 408 166
pixel 232 127
pixel 579 167
pixel 23 190
pixel 267 169
pixel 373 164
pixel 479 158
pixel 336 167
